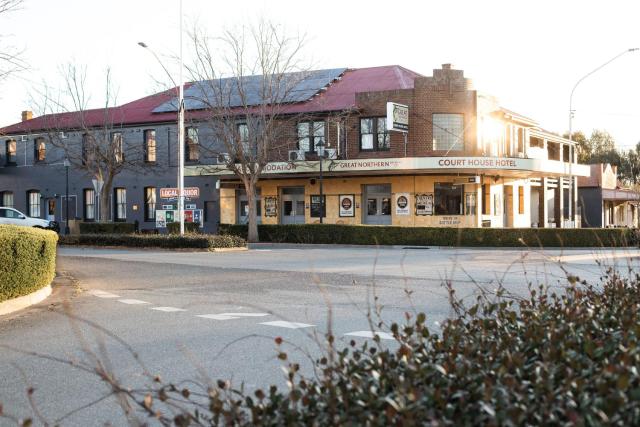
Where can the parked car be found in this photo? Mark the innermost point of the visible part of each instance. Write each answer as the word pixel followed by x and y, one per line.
pixel 15 217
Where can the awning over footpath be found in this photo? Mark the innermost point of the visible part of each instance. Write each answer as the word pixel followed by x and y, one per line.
pixel 620 195
pixel 464 165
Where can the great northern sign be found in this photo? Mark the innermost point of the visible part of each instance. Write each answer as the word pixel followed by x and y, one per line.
pixel 431 164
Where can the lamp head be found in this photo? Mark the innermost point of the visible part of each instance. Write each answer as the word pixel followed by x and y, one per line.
pixel 143 44
pixel 633 49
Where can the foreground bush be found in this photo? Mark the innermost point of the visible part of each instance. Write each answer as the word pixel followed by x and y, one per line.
pixel 548 359
pixel 433 236
pixel 170 241
pixel 189 227
pixel 107 227
pixel 27 260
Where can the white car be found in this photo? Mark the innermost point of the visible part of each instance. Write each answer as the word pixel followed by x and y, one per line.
pixel 15 217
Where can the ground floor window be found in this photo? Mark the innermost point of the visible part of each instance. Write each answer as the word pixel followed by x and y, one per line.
pixel 121 204
pixel 448 198
pixel 33 203
pixel 7 199
pixel 89 204
pixel 318 205
pixel 470 203
pixel 244 208
pixel 149 203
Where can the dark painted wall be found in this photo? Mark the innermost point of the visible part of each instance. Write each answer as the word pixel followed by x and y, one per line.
pixel 49 177
pixel 590 200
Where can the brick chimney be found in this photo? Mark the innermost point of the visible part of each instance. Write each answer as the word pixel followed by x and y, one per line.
pixel 27 115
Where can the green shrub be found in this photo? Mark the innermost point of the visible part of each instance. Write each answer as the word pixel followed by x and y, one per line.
pixel 433 236
pixel 27 260
pixel 170 241
pixel 107 227
pixel 189 227
pixel 546 359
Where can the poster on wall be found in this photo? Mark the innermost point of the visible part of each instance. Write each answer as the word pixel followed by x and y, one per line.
pixel 188 216
pixel 402 204
pixel 197 217
pixel 347 205
pixel 161 219
pixel 424 204
pixel 270 206
pixel 169 216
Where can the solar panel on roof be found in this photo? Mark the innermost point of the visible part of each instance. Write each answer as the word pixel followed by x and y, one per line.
pixel 295 87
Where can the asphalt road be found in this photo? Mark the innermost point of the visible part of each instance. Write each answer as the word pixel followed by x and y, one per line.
pixel 209 316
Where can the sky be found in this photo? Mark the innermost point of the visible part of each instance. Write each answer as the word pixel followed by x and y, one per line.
pixel 529 54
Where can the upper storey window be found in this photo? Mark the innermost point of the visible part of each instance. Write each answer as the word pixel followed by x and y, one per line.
pixel 448 132
pixel 310 135
pixel 40 152
pixel 192 145
pixel 373 134
pixel 10 151
pixel 150 145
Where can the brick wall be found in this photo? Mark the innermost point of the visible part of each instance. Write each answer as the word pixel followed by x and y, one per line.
pixel 447 91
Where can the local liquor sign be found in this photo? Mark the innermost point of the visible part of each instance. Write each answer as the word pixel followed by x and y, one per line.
pixel 172 193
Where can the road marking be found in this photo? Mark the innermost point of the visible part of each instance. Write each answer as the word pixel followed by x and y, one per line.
pixel 285 324
pixel 369 334
pixel 604 256
pixel 132 301
pixel 103 294
pixel 216 316
pixel 168 309
pixel 244 314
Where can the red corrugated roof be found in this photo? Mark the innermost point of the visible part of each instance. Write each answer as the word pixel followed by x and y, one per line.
pixel 340 95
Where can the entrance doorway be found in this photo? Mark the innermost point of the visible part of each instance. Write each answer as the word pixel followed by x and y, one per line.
pixel 243 207
pixel 292 205
pixel 51 210
pixel 377 206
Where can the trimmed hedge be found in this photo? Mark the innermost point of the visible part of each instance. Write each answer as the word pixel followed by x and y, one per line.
pixel 432 236
pixel 107 228
pixel 27 260
pixel 169 241
pixel 189 227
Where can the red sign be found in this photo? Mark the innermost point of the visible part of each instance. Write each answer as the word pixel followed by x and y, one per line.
pixel 172 193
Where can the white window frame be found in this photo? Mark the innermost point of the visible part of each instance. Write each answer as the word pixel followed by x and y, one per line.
pixel 448 131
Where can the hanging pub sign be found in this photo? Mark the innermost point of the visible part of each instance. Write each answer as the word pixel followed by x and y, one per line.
pixel 270 206
pixel 347 205
pixel 402 203
pixel 424 204
pixel 397 117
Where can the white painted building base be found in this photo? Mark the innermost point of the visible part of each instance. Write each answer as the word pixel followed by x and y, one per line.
pixel 25 301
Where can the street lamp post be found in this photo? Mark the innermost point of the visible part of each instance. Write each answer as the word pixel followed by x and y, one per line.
pixel 66 197
pixel 572 152
pixel 320 145
pixel 181 139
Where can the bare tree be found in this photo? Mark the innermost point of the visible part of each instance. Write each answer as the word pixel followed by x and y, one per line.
pixel 10 57
pixel 93 140
pixel 246 82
